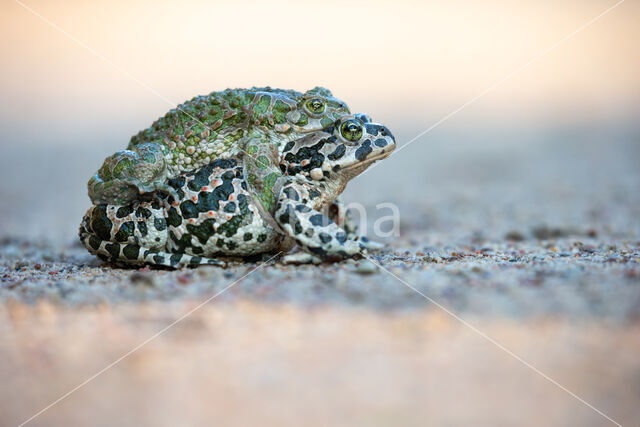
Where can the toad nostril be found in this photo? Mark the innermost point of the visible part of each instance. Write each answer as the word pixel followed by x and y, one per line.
pixel 387 132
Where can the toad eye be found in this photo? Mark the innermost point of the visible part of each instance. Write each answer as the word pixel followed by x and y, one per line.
pixel 351 130
pixel 315 106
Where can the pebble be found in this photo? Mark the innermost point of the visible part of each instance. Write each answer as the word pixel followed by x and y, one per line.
pixel 366 267
pixel 142 278
pixel 514 236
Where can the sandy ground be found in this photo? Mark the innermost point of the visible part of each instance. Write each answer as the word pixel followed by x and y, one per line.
pixel 536 245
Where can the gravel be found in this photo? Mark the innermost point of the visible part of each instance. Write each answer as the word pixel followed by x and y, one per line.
pixel 535 245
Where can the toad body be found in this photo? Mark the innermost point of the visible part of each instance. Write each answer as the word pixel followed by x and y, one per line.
pixel 214 210
pixel 256 123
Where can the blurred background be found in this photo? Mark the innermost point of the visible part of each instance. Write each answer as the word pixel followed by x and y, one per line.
pixel 519 213
pixel 559 128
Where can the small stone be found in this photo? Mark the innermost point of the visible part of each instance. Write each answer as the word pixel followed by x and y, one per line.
pixel 184 279
pixel 366 267
pixel 142 278
pixel 19 264
pixel 514 236
pixel 316 174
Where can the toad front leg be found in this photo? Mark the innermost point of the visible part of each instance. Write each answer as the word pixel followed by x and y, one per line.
pixel 126 175
pixel 343 216
pixel 312 231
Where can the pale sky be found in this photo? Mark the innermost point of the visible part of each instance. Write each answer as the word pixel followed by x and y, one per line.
pixel 403 62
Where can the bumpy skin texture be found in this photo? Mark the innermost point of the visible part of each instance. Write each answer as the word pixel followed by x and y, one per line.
pixel 213 210
pixel 258 121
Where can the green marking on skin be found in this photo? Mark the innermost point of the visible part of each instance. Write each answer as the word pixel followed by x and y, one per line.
pixel 280 110
pixel 303 120
pixel 262 162
pixel 262 105
pixel 267 196
pixel 149 157
pixel 325 122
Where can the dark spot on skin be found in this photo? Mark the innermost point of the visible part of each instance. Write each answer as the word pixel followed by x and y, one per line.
pixel 210 200
pixel 197 250
pixel 374 129
pixel 230 207
pixel 131 251
pixel 230 227
pixel 158 259
pixel 309 232
pixel 100 223
pixel 336 168
pixel 380 142
pixel 314 194
pixel 303 208
pixel 363 118
pixel 126 230
pixel 291 193
pixel 142 227
pixel 195 260
pixel 364 150
pixel 317 219
pixel 181 244
pixel 224 163
pixel 289 146
pixel 124 211
pixel 173 218
pixel 297 227
pixel 231 245
pixel 177 184
pixel 175 259
pixel 324 237
pixel 103 257
pixel 312 154
pixel 201 176
pixel 160 224
pixel 341 237
pixel 247 237
pixel 113 249
pixel 188 209
pixel 94 242
pixel 261 238
pixel 318 251
pixel 287 215
pixel 337 153
pixel 143 213
pixel 202 231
